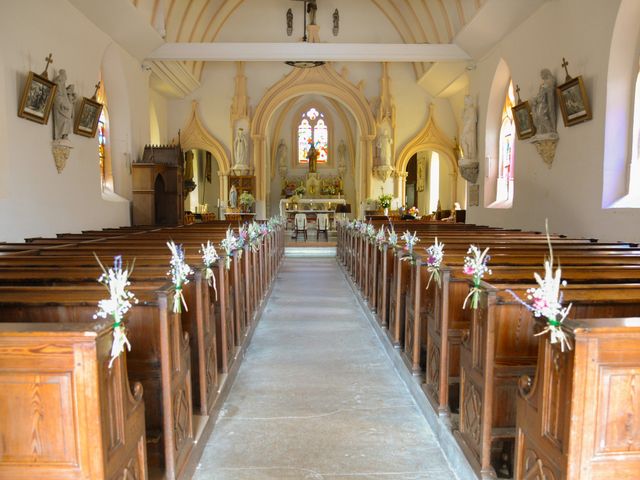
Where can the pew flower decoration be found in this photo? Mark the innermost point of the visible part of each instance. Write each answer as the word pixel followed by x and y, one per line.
pixel 179 271
pixel 409 242
pixel 371 232
pixel 475 264
pixel 393 238
pixel 116 280
pixel 546 301
pixel 229 245
pixel 381 236
pixel 209 257
pixel 254 233
pixel 435 254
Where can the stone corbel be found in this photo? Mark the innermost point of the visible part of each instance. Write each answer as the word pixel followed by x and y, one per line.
pixel 383 172
pixel 546 146
pixel 469 170
pixel 61 150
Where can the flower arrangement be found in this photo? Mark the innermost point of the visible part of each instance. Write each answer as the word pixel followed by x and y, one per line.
pixel 299 190
pixel 255 236
pixel 371 232
pixel 116 280
pixel 475 264
pixel 246 200
pixel 393 238
pixel 409 242
pixel 414 212
pixel 179 272
pixel 384 201
pixel 380 237
pixel 209 257
pixel 435 254
pixel 229 245
pixel 546 301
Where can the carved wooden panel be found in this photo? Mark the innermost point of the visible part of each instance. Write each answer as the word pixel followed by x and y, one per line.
pixel 535 469
pixel 557 394
pixel 471 411
pixel 433 367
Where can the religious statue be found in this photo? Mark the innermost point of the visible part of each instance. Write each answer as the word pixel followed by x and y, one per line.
pixel 281 158
pixel 233 197
pixel 544 104
pixel 468 137
pixel 312 156
pixel 384 148
pixel 240 150
pixel 311 10
pixel 62 107
pixel 342 158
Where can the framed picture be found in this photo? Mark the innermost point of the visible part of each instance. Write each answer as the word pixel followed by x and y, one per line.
pixel 87 118
pixel 574 102
pixel 523 120
pixel 37 98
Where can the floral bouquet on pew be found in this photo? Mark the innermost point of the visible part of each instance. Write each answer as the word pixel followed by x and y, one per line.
pixel 371 232
pixel 116 280
pixel 230 245
pixel 475 264
pixel 254 234
pixel 410 241
pixel 209 257
pixel 179 272
pixel 435 254
pixel 393 238
pixel 380 237
pixel 546 301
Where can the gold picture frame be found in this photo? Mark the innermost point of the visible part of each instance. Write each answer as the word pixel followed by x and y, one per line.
pixel 86 122
pixel 523 120
pixel 574 102
pixel 37 98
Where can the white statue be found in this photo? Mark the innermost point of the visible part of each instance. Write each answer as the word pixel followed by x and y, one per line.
pixel 233 197
pixel 62 107
pixel 543 105
pixel 281 154
pixel 468 137
pixel 384 148
pixel 240 150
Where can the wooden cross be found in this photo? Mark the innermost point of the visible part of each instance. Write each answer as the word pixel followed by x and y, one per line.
pixel 518 93
pixel 564 64
pixel 95 94
pixel 49 60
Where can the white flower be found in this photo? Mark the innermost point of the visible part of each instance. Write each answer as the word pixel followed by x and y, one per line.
pixel 179 271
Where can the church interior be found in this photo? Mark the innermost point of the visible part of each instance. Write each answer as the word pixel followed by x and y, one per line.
pixel 436 271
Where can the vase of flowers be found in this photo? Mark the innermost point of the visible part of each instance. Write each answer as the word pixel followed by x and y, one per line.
pixel 246 201
pixel 384 201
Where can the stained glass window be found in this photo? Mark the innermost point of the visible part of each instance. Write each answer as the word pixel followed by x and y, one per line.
pixel 102 143
pixel 313 130
pixel 507 149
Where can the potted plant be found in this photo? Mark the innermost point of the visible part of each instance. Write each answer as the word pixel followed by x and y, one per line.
pixel 384 201
pixel 299 191
pixel 246 201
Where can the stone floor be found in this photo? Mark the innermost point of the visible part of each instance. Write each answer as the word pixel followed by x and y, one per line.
pixel 316 396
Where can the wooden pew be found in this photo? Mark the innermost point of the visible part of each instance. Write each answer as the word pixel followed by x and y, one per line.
pixel 578 418
pixel 71 415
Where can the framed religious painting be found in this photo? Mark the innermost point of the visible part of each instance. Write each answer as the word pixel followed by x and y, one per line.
pixel 523 120
pixel 574 102
pixel 87 118
pixel 37 98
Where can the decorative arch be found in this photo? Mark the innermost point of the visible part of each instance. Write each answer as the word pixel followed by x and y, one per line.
pixel 325 81
pixel 429 138
pixel 196 136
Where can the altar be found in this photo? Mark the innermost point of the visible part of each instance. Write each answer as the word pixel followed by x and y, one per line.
pixel 311 207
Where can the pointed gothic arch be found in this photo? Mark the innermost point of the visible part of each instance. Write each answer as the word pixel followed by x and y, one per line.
pixel 324 80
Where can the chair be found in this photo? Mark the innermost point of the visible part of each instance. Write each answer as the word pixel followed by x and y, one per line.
pixel 322 225
pixel 300 225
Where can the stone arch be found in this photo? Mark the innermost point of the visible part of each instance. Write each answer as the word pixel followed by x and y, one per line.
pixel 429 138
pixel 196 136
pixel 325 81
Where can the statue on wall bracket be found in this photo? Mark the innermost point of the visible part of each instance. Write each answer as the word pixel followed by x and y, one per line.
pixel 544 114
pixel 466 151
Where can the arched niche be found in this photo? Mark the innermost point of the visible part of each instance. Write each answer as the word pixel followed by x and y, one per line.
pixel 433 139
pixel 325 81
pixel 195 136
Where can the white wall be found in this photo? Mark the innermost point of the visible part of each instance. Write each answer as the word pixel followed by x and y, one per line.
pixel 569 193
pixel 34 199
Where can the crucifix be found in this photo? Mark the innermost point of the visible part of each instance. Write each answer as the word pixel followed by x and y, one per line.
pixel 95 93
pixel 518 93
pixel 309 7
pixel 49 60
pixel 566 71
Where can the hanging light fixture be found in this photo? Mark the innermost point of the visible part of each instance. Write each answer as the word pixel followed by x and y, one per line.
pixel 309 7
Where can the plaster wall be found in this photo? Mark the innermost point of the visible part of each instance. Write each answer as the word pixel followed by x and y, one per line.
pixel 34 199
pixel 569 193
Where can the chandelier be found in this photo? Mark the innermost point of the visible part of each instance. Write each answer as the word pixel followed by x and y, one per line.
pixel 309 8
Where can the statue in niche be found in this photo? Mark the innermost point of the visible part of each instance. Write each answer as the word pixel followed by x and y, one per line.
pixel 281 154
pixel 312 156
pixel 468 137
pixel 62 107
pixel 384 148
pixel 311 10
pixel 240 151
pixel 342 158
pixel 543 105
pixel 233 197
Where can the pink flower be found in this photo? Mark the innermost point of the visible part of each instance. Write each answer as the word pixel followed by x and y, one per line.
pixel 469 269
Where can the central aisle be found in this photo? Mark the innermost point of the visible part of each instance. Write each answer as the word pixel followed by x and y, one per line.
pixel 316 396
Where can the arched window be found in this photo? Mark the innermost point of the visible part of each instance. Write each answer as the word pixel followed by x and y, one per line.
pixel 506 151
pixel 313 130
pixel 104 150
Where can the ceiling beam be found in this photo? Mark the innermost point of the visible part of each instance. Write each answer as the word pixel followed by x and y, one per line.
pixel 328 52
